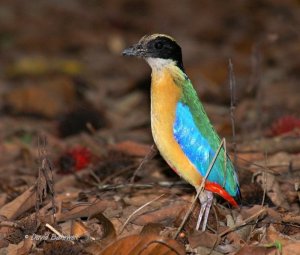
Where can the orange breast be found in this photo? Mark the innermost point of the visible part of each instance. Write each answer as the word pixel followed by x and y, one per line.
pixel 165 94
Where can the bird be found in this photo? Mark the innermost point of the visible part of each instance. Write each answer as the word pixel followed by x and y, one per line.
pixel 181 129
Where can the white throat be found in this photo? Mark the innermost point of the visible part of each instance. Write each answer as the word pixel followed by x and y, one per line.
pixel 158 64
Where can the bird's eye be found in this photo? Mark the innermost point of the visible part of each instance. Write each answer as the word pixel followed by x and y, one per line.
pixel 158 45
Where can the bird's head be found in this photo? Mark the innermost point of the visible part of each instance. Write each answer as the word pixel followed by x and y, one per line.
pixel 158 50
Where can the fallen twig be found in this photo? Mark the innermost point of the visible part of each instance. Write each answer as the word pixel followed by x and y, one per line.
pixel 232 85
pixel 140 186
pixel 148 157
pixel 246 221
pixel 200 189
pixel 137 210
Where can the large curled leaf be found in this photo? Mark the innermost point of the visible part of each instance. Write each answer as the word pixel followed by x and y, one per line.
pixel 148 244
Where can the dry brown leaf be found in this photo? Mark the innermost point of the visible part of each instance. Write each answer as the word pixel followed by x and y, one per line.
pixel 103 231
pixel 21 248
pixel 273 235
pixel 289 245
pixel 3 198
pixel 144 244
pixel 165 214
pixel 248 212
pixel 279 163
pixel 270 183
pixel 85 210
pixel 203 239
pixel 245 158
pixel 152 228
pixel 19 205
pixel 204 250
pixel 61 247
pixel 78 229
pixel 27 244
pixel 108 231
pixel 274 214
pixel 236 238
pixel 291 218
pixel 292 248
pixel 250 250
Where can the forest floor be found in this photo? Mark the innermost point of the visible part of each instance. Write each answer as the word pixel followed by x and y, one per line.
pixel 78 170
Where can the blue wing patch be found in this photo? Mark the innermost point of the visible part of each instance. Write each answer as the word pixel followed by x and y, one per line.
pixel 198 150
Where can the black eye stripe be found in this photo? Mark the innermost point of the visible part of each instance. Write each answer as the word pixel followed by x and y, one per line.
pixel 164 48
pixel 158 45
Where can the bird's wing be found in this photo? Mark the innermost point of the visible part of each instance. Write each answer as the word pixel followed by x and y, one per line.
pixel 199 141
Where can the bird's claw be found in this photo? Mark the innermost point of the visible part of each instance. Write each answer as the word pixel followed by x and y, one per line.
pixel 206 198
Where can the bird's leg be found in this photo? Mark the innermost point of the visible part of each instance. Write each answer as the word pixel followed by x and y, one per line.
pixel 206 198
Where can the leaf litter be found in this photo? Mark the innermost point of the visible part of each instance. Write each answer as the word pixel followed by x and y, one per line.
pixel 98 186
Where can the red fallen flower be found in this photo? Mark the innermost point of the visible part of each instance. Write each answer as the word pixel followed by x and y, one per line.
pixel 74 159
pixel 284 125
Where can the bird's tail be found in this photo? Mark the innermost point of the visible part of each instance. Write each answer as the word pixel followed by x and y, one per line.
pixel 217 188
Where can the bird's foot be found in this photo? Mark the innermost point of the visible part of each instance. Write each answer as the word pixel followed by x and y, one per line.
pixel 206 198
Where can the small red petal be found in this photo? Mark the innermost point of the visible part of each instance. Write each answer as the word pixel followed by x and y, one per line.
pixel 284 125
pixel 82 157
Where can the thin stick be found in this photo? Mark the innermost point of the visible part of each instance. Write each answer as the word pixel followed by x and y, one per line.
pixel 246 221
pixel 232 85
pixel 265 167
pixel 264 181
pixel 140 186
pixel 199 190
pixel 45 174
pixel 149 156
pixel 264 177
pixel 137 210
pixel 55 231
pixel 126 169
pixel 11 224
pixel 256 85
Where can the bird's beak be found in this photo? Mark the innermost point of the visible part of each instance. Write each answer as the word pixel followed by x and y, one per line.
pixel 135 50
